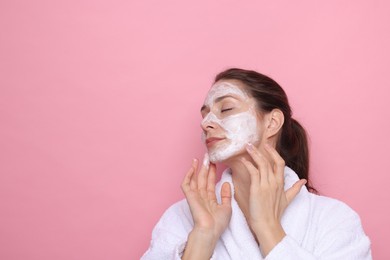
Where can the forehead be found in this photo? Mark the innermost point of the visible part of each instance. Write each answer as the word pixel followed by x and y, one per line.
pixel 224 88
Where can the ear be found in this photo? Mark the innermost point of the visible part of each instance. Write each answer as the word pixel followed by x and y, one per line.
pixel 275 121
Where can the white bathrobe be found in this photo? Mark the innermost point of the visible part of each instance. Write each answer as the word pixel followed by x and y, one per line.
pixel 316 227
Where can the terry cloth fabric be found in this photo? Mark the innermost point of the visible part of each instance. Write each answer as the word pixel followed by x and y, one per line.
pixel 316 227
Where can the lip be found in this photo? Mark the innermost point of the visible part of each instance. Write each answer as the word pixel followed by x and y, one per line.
pixel 212 140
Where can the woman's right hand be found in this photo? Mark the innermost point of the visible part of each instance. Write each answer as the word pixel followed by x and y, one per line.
pixel 210 217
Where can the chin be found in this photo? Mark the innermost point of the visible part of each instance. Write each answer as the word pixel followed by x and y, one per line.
pixel 224 156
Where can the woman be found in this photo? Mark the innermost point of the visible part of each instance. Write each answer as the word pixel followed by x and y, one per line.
pixel 261 208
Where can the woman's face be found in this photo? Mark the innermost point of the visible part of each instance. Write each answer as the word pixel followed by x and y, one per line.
pixel 229 120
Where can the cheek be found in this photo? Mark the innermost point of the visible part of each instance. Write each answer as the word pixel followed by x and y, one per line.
pixel 241 127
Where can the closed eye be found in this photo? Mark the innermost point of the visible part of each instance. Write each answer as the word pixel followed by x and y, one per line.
pixel 227 109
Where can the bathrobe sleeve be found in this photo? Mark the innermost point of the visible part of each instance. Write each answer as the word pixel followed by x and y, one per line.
pixel 169 236
pixel 339 235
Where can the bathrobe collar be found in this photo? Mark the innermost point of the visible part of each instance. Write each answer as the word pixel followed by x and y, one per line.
pixel 239 240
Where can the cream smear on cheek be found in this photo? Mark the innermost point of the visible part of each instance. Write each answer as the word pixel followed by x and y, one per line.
pixel 239 128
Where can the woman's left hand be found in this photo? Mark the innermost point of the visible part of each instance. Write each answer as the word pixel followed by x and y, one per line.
pixel 268 199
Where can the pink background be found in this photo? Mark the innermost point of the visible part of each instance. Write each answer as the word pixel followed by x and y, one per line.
pixel 99 110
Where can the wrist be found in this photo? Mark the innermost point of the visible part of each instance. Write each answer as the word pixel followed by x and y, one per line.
pixel 200 244
pixel 203 235
pixel 269 235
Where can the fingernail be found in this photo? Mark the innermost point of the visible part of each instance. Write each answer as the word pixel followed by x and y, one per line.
pixel 250 147
pixel 206 160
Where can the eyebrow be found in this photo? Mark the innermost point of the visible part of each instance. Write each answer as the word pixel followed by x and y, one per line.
pixel 218 99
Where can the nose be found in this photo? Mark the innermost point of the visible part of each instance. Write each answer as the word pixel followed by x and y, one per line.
pixel 207 126
pixel 210 121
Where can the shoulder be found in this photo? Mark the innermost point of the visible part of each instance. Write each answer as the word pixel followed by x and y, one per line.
pixel 179 209
pixel 324 205
pixel 177 219
pixel 170 233
pixel 331 214
pixel 336 229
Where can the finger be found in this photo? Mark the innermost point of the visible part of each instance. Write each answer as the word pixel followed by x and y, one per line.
pixel 261 162
pixel 253 172
pixel 226 194
pixel 202 175
pixel 193 180
pixel 187 178
pixel 271 173
pixel 278 163
pixel 294 190
pixel 211 181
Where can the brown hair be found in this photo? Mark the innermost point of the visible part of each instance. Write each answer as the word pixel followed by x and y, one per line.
pixel 292 144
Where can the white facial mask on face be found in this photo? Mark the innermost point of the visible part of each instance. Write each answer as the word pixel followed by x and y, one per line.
pixel 239 128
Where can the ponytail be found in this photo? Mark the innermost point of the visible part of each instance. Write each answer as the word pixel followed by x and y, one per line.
pixel 294 149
